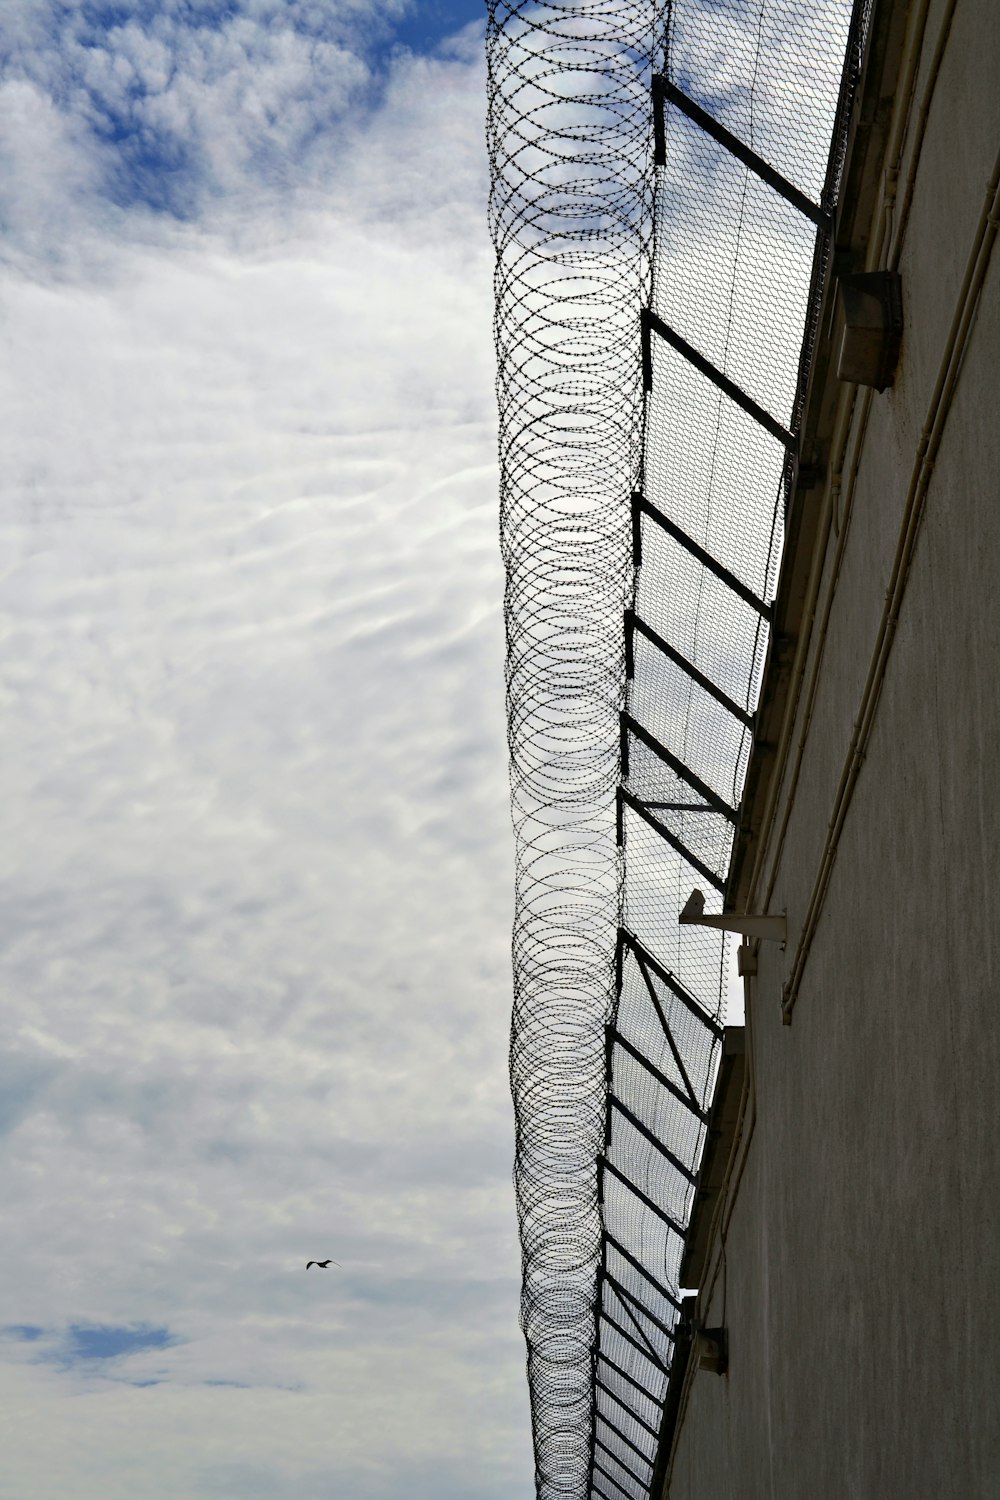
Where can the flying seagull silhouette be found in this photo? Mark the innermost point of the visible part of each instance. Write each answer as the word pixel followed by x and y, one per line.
pixel 323 1264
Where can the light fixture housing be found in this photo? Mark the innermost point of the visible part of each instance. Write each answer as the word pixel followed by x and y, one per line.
pixel 769 929
pixel 871 305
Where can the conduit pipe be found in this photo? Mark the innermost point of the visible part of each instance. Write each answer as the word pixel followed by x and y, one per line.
pixel 899 229
pixel 845 428
pixel 930 441
pixel 841 485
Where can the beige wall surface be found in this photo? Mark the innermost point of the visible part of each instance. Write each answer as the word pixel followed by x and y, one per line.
pixel 860 1283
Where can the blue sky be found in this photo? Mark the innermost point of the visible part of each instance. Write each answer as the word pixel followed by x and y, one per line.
pixel 255 848
pixel 422 26
pixel 255 865
pixel 166 100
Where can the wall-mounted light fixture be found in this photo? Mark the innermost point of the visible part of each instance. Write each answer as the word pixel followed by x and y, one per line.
pixel 769 929
pixel 709 1346
pixel 871 303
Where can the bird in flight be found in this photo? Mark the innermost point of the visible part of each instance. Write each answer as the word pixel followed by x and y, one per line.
pixel 323 1264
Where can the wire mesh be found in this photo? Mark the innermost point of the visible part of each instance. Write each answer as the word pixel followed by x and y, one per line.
pixel 653 329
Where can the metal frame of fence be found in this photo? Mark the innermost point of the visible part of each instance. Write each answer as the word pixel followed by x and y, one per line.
pixel 664 189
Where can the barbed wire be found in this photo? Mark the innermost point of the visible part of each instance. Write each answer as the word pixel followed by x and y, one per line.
pixel 650 372
pixel 571 213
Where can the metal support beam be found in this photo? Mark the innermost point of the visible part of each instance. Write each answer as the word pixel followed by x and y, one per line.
pixel 600 1469
pixel 636 1265
pixel 613 1427
pixel 604 1165
pixel 650 1353
pixel 765 928
pixel 661 1013
pixel 634 624
pixel 642 506
pixel 625 1468
pixel 598 1491
pixel 619 1401
pixel 665 92
pixel 631 726
pixel 644 1130
pixel 684 807
pixel 629 1379
pixel 652 324
pixel 626 799
pixel 630 1301
pixel 629 940
pixel 661 1078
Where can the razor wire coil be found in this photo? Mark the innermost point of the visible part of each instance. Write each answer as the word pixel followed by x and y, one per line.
pixel 633 299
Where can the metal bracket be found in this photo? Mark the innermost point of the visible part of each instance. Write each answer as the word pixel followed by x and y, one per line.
pixel 770 929
pixel 711 1348
pixel 665 91
pixel 650 324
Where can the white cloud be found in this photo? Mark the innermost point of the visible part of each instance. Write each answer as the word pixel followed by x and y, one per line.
pixel 254 854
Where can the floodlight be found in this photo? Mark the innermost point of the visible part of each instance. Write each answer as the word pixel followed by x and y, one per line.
pixel 769 929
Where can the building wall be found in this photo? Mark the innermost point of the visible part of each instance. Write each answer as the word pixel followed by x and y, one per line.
pixel 860 1276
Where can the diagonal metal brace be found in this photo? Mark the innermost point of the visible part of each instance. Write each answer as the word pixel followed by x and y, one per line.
pixel 613 1427
pixel 620 1401
pixel 635 624
pixel 636 1265
pixel 626 799
pixel 641 506
pixel 652 324
pixel 604 1165
pixel 629 1379
pixel 660 1077
pixel 644 1130
pixel 600 1469
pixel 630 726
pixel 628 940
pixel 629 1299
pixel 649 1354
pixel 668 1034
pixel 665 92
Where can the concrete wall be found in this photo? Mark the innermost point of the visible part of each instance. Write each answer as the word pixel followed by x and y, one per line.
pixel 860 1281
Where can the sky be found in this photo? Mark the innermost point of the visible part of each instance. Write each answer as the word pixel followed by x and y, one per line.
pixel 255 854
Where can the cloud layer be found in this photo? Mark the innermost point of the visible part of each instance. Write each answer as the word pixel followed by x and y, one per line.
pixel 255 853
